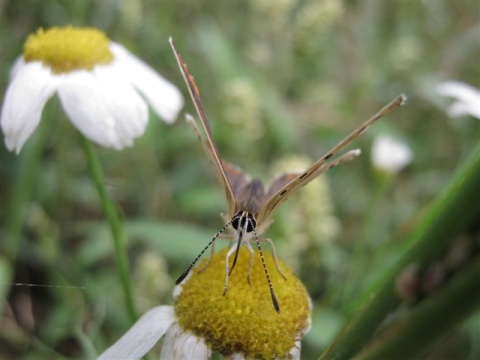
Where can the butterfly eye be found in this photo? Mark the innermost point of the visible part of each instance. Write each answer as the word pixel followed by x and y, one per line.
pixel 251 224
pixel 235 221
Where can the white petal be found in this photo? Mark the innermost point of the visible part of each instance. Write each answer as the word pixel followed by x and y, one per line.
pixel 468 98
pixel 142 336
pixel 164 97
pixel 295 352
pixel 83 101
pixel 177 290
pixel 31 87
pixel 390 154
pixel 103 107
pixel 17 66
pixel 459 108
pixel 184 345
pixel 128 108
pixel 236 356
pixel 458 90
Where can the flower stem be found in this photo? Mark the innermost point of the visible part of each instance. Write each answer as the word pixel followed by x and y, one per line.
pixel 116 226
pixel 456 208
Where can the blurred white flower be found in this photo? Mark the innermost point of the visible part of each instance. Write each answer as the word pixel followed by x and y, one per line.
pixel 467 98
pixel 390 154
pixel 102 88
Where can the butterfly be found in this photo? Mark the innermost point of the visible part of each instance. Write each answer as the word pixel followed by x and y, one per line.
pixel 250 204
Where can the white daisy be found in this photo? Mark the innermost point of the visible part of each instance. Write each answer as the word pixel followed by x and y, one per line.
pixel 102 88
pixel 241 325
pixel 390 154
pixel 467 98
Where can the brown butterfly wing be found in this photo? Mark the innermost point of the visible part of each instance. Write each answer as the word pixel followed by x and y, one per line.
pixel 279 183
pixel 209 145
pixel 236 178
pixel 249 193
pixel 321 165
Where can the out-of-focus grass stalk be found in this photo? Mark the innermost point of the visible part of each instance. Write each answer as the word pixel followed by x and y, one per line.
pixel 430 319
pixel 25 178
pixel 455 208
pixel 116 226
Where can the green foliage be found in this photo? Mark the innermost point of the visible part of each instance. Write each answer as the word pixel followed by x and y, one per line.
pixel 278 78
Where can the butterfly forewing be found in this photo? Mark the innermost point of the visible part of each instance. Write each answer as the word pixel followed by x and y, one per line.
pixel 212 159
pixel 210 146
pixel 313 171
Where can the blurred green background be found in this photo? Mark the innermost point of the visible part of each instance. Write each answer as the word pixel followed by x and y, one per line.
pixel 282 82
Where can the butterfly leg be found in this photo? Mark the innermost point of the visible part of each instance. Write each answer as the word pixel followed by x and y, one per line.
pixel 207 262
pixel 250 265
pixel 227 270
pixel 274 254
pixel 222 236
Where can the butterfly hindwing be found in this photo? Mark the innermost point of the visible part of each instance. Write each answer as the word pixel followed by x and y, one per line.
pixel 280 182
pixel 237 179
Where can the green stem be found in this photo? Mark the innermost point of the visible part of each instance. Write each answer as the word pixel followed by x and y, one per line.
pixel 457 207
pixel 116 226
pixel 423 325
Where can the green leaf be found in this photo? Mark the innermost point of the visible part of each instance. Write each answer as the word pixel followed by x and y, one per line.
pixel 457 207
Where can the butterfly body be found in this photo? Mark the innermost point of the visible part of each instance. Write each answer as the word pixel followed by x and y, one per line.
pixel 250 196
pixel 250 204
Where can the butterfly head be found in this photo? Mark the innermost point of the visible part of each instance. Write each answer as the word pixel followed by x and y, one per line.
pixel 244 222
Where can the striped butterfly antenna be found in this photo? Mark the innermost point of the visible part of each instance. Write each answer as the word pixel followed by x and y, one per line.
pixel 187 270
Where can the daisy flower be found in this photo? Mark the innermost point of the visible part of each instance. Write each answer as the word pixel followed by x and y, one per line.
pixel 102 87
pixel 390 154
pixel 241 325
pixel 467 98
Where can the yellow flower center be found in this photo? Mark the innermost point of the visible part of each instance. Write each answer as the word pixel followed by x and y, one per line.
pixel 68 48
pixel 244 320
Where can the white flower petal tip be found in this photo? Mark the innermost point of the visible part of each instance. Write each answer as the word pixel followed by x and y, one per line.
pixel 177 291
pixel 30 88
pixel 467 98
pixel 390 154
pixel 164 97
pixel 179 344
pixel 236 356
pixel 142 336
pixel 296 351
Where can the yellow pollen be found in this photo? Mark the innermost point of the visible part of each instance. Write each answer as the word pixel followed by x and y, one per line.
pixel 68 48
pixel 244 320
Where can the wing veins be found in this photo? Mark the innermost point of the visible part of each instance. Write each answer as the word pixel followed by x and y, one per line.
pixel 197 101
pixel 317 167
